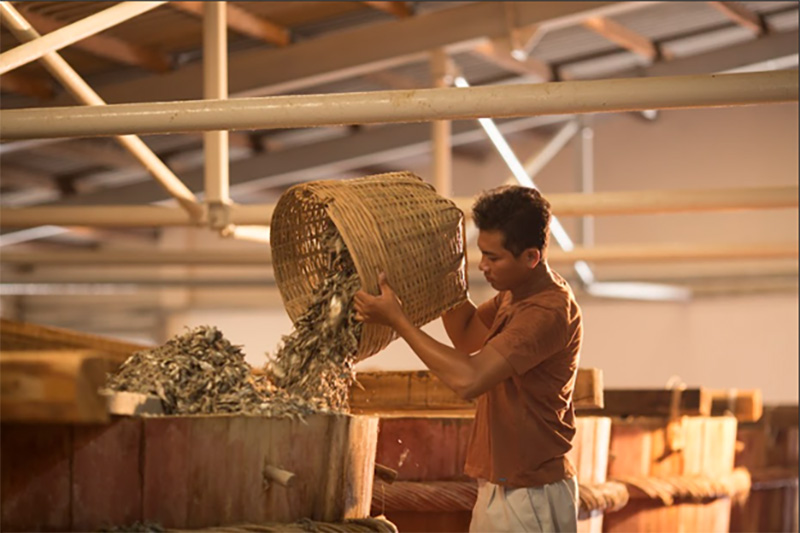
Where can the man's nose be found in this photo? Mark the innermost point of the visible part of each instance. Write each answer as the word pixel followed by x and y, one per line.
pixel 482 265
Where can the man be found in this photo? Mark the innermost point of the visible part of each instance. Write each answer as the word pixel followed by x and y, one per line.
pixel 528 340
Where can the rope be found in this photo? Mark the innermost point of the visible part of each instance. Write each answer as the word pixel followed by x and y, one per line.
pixel 448 496
pixel 427 496
pixel 360 525
pixel 606 497
pixel 697 488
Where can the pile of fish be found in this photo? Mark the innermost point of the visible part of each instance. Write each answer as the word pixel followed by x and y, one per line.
pixel 201 372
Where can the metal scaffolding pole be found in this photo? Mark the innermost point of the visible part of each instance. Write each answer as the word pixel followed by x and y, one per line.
pixel 62 37
pixel 82 92
pixel 441 130
pixel 565 204
pixel 596 96
pixel 630 253
pixel 215 86
pixel 584 155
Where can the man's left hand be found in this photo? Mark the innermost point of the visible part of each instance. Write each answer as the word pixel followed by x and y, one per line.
pixel 383 309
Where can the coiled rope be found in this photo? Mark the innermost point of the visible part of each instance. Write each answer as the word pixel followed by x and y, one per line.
pixel 695 488
pixel 448 496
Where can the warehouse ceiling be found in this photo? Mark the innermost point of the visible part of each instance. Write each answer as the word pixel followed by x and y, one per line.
pixel 331 47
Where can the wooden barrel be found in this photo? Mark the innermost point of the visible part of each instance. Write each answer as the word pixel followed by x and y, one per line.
pixel 679 472
pixel 432 493
pixel 185 472
pixel 768 448
pixel 424 432
pixel 589 454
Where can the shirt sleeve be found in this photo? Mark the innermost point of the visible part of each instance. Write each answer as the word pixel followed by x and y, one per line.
pixel 488 310
pixel 531 336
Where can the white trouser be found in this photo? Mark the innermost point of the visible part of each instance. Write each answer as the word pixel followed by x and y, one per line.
pixel 552 507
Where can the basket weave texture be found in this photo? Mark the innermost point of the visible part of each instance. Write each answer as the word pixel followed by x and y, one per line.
pixel 394 223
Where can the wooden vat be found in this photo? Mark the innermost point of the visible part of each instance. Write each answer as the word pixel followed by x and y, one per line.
pixel 424 433
pixel 679 472
pixel 768 448
pixel 185 471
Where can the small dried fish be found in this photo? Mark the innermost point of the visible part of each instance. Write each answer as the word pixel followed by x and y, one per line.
pixel 201 372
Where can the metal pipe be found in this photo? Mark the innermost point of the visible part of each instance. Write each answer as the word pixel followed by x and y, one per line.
pixel 665 201
pixel 598 254
pixel 535 163
pixel 585 177
pixel 62 37
pixel 567 204
pixel 441 130
pixel 595 96
pixel 540 159
pixel 215 86
pixel 82 92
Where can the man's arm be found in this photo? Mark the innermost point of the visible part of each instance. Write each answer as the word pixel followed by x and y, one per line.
pixel 469 376
pixel 465 328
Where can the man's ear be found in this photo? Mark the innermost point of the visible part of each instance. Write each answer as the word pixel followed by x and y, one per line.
pixel 533 256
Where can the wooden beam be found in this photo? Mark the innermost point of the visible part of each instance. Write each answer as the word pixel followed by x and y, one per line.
pixel 34 86
pixel 397 9
pixel 624 37
pixel 742 16
pixel 91 153
pixel 244 22
pixel 392 80
pixel 423 391
pixel 23 178
pixel 342 55
pixel 782 416
pixel 52 386
pixel 20 336
pixel 111 48
pixel 499 51
pixel 745 405
pixel 654 402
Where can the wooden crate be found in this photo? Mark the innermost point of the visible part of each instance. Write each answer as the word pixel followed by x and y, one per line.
pixel 185 471
pixel 768 448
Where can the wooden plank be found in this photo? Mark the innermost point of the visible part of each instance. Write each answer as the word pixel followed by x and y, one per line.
pixel 35 477
pixel 424 449
pixel 340 55
pixel 16 335
pixel 589 393
pixel 782 416
pixel 624 37
pixel 499 52
pixel 745 405
pixel 421 390
pixel 397 9
pixel 105 46
pixel 241 21
pixel 186 485
pixel 132 403
pixel 35 86
pixel 653 402
pixel 742 16
pixel 53 386
pixel 106 475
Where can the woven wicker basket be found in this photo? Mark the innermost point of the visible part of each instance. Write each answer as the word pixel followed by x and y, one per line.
pixel 392 222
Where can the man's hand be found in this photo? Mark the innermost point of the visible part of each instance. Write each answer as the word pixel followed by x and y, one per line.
pixel 384 309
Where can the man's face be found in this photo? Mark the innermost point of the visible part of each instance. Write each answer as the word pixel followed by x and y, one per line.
pixel 502 270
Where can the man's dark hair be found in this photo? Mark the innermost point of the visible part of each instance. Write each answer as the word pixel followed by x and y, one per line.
pixel 520 213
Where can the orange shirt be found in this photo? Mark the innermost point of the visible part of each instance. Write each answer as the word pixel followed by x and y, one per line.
pixel 524 425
